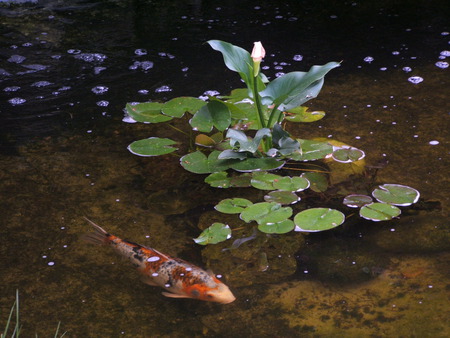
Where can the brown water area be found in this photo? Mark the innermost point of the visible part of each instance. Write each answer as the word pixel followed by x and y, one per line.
pixel 67 69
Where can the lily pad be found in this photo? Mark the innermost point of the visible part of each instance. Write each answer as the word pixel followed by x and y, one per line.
pixel 318 182
pixel 282 197
pixel 216 233
pixel 198 163
pixel 255 164
pixel 348 154
pixel 277 228
pixel 357 201
pixel 301 114
pixel 179 105
pixel 233 205
pixel 222 180
pixel 396 194
pixel 287 183
pixel 214 113
pixel 264 181
pixel 312 150
pixel 149 112
pixel 318 219
pixel 379 212
pixel 152 146
pixel 266 212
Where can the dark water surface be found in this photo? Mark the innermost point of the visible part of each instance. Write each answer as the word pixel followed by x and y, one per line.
pixel 67 68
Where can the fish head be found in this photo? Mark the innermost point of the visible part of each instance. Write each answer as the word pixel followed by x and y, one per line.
pixel 222 294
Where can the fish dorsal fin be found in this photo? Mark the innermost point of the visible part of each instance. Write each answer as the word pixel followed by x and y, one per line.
pixel 174 295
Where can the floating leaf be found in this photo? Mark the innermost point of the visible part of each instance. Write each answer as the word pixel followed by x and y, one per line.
pixel 179 105
pixel 265 212
pixel 312 150
pixel 318 219
pixel 214 113
pixel 264 181
pixel 216 233
pixel 396 194
pixel 348 154
pixel 291 183
pixel 152 146
pixel 277 228
pixel 379 212
pixel 218 180
pixel 357 201
pixel 198 163
pixel 301 114
pixel 204 141
pixel 282 197
pixel 254 164
pixel 318 182
pixel 233 205
pixel 149 112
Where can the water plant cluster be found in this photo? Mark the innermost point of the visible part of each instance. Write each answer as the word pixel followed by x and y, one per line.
pixel 241 141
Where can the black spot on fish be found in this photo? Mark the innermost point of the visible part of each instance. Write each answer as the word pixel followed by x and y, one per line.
pixel 138 257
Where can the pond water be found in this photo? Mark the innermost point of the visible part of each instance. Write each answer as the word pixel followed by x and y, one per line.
pixel 67 68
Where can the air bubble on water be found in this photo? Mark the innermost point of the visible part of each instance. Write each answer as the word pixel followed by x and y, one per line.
pixel 143 91
pixel 144 65
pixel 56 57
pixel 407 69
pixel 11 89
pixel 91 57
pixel 128 119
pixel 445 33
pixel 103 103
pixel 140 51
pixel 333 16
pixel 278 67
pixel 433 142
pixel 415 79
pixel 163 89
pixel 278 17
pixel 16 59
pixel 441 64
pixel 16 101
pixel 293 18
pixel 383 69
pixel 279 74
pixel 185 69
pixel 395 52
pixel 368 59
pixel 445 53
pixel 211 93
pixel 51 263
pixel 41 84
pixel 73 51
pixel 97 70
pixel 99 90
pixel 35 67
pixel 27 44
pixel 265 67
pixel 297 57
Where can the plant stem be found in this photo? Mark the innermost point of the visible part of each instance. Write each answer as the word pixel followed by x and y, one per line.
pixel 272 116
pixel 262 123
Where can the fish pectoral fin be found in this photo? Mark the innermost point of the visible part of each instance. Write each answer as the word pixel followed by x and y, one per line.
pixel 174 295
pixel 148 280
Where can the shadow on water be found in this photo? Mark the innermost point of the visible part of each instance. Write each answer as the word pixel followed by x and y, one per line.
pixel 66 71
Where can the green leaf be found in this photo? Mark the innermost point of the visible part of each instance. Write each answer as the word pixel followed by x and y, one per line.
pixel 319 182
pixel 204 141
pixel 301 114
pixel 396 194
pixel 198 163
pixel 149 112
pixel 379 212
pixel 216 233
pixel 222 180
pixel 152 146
pixel 293 89
pixel 348 154
pixel 255 164
pixel 312 150
pixel 282 197
pixel 264 181
pixel 232 154
pixel 318 219
pixel 179 105
pixel 287 183
pixel 239 140
pixel 357 201
pixel 214 113
pixel 233 205
pixel 277 228
pixel 266 212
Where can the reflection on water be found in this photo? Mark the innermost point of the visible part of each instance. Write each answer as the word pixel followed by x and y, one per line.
pixel 66 71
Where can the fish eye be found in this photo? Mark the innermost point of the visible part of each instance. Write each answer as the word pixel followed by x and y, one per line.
pixel 209 296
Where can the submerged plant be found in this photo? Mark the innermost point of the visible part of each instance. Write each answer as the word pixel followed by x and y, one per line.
pixel 240 139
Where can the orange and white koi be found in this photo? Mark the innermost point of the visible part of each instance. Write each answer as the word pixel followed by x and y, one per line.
pixel 179 278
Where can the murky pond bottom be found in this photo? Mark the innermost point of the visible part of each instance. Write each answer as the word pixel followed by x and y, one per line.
pixel 64 157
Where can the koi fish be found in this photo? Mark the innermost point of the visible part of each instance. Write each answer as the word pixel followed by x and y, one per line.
pixel 179 278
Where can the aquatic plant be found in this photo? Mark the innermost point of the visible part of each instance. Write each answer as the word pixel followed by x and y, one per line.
pixel 14 324
pixel 241 142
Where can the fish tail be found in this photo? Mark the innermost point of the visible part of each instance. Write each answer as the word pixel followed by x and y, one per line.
pixel 98 237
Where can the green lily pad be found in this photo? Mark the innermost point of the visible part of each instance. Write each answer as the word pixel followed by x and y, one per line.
pixel 152 146
pixel 233 205
pixel 396 194
pixel 180 105
pixel 198 163
pixel 301 114
pixel 282 197
pixel 318 219
pixel 277 228
pixel 357 201
pixel 264 181
pixel 214 113
pixel 265 212
pixel 312 150
pixel 348 154
pixel 216 233
pixel 379 212
pixel 287 183
pixel 254 164
pixel 222 180
pixel 318 182
pixel 149 112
